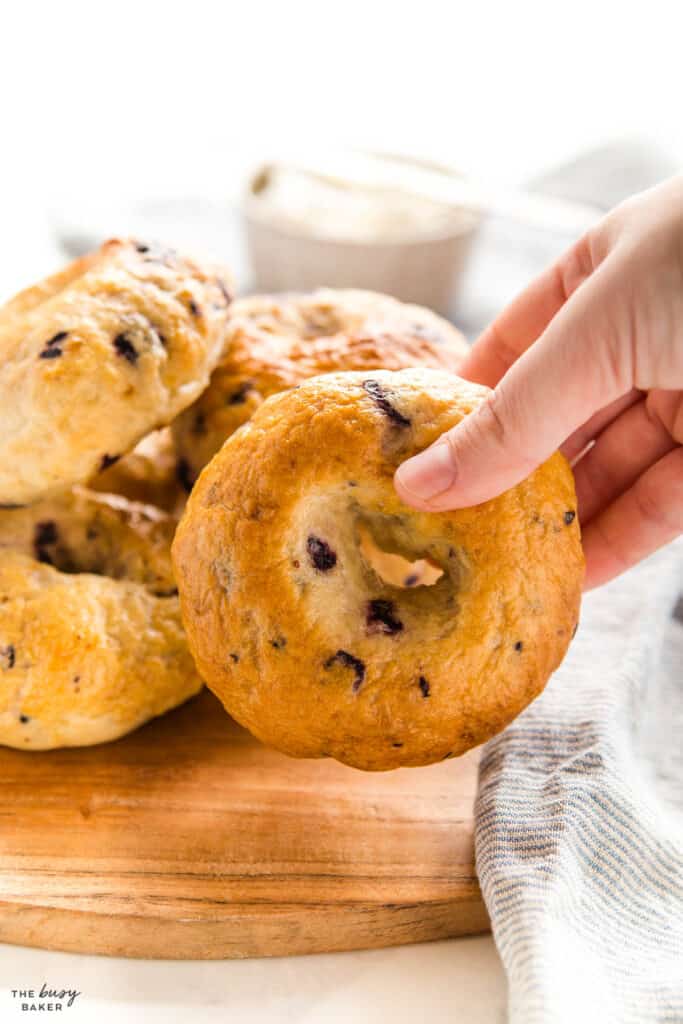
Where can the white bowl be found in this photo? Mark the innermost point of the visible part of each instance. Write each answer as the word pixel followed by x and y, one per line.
pixel 424 269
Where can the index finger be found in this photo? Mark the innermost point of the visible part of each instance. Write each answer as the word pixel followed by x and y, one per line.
pixel 527 316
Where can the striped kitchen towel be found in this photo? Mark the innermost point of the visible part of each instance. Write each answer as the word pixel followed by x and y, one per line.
pixel 579 823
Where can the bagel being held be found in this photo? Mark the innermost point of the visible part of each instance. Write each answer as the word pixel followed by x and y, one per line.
pixel 304 640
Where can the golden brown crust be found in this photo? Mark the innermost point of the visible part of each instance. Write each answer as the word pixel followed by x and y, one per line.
pixel 148 474
pixel 276 342
pixel 305 644
pixel 91 639
pixel 99 355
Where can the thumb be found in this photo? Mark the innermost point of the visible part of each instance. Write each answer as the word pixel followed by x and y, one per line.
pixel 578 365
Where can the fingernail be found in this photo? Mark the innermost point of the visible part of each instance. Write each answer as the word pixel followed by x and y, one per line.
pixel 430 473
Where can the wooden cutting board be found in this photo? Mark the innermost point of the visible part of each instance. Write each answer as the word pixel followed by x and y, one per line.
pixel 188 839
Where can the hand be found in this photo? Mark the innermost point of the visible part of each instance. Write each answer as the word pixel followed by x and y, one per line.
pixel 588 359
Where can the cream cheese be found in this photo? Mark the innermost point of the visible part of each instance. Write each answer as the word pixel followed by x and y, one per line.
pixel 326 205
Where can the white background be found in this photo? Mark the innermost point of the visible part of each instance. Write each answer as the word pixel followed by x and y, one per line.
pixel 110 101
pixel 147 96
pixel 107 102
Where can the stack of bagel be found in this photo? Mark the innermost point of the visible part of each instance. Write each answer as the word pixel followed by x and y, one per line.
pixel 130 377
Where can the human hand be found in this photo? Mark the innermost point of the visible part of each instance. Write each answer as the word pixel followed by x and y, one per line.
pixel 589 358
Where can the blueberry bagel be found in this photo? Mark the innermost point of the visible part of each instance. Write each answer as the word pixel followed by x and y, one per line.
pixel 148 474
pixel 91 639
pixel 96 357
pixel 306 644
pixel 275 342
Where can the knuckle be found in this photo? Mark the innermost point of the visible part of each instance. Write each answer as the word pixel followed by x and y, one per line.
pixel 451 439
pixel 612 547
pixel 664 512
pixel 493 419
pixel 617 348
pixel 576 266
pixel 655 424
pixel 599 242
pixel 497 422
pixel 499 347
pixel 599 480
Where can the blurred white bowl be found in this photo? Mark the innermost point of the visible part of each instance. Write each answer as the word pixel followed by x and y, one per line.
pixel 420 263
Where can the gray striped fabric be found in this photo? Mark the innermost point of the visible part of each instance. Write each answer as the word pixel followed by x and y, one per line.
pixel 579 834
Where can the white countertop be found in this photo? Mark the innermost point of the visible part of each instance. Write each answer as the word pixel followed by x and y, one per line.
pixel 455 980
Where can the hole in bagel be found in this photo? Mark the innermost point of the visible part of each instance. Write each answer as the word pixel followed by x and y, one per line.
pixel 394 568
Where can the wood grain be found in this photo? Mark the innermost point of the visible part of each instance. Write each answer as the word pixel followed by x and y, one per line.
pixel 188 839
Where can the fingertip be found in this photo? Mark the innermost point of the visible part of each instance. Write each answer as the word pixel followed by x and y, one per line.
pixel 426 477
pixel 407 496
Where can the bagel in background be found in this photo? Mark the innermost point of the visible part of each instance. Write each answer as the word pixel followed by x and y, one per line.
pixel 99 355
pixel 148 474
pixel 274 342
pixel 91 639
